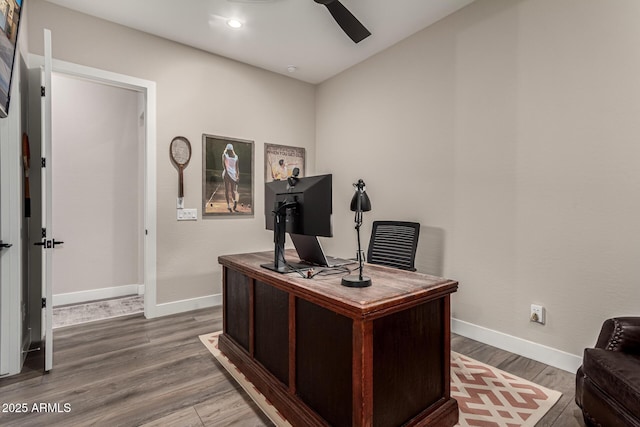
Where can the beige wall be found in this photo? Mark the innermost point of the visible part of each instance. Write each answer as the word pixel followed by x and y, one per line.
pixel 196 93
pixel 510 131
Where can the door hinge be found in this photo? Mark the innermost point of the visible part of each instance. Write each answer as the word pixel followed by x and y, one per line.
pixel 44 233
pixel 43 162
pixel 43 91
pixel 44 302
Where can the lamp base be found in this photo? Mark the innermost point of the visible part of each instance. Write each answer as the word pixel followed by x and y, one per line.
pixel 356 282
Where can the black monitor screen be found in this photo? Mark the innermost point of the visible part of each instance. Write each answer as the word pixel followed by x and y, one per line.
pixel 310 214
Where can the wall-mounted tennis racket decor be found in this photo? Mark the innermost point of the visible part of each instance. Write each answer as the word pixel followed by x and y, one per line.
pixel 180 153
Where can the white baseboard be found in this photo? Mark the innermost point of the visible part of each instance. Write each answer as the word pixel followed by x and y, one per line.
pixel 182 306
pixel 547 355
pixel 97 294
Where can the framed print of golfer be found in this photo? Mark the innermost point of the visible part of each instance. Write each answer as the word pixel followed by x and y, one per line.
pixel 227 174
pixel 280 160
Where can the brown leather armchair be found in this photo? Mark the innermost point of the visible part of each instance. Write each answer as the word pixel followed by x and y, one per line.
pixel 608 382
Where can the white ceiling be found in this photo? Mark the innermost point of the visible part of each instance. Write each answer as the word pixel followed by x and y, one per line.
pixel 276 34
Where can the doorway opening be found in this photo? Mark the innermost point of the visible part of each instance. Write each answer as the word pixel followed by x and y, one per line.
pixel 40 259
pixel 98 141
pixel 146 126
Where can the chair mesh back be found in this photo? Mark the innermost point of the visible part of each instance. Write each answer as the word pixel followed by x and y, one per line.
pixel 393 243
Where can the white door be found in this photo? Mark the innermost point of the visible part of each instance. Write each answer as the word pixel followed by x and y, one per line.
pixel 48 242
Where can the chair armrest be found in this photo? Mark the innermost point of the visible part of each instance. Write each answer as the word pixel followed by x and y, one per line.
pixel 620 334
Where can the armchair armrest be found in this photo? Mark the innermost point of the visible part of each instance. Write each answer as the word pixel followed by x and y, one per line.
pixel 620 334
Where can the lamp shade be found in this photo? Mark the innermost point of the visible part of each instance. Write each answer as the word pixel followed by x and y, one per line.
pixel 361 195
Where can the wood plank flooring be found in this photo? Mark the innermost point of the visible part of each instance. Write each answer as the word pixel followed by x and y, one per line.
pixel 130 371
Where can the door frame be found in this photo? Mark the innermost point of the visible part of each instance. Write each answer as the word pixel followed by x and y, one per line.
pixel 148 90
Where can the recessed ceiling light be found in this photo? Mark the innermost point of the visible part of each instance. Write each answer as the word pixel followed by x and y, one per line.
pixel 234 23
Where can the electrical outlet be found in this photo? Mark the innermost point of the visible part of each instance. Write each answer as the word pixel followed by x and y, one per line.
pixel 187 214
pixel 537 314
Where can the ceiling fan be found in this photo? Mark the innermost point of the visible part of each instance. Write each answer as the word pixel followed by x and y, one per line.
pixel 349 23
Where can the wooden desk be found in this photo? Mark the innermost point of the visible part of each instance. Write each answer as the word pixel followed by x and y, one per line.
pixel 325 354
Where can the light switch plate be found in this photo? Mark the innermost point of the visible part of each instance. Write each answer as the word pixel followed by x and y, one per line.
pixel 187 214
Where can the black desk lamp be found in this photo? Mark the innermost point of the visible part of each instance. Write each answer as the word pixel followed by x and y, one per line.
pixel 359 203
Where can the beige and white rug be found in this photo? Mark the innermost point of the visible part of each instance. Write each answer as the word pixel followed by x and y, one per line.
pixel 75 314
pixel 486 396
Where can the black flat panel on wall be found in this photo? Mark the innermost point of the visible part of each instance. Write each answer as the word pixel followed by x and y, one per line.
pixel 236 307
pixel 323 362
pixel 407 348
pixel 272 330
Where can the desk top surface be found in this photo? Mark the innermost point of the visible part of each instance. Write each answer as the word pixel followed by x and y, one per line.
pixel 391 289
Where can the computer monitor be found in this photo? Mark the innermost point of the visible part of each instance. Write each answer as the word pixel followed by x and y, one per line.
pixel 297 206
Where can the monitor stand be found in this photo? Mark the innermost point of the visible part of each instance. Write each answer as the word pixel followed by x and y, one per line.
pixel 279 231
pixel 290 267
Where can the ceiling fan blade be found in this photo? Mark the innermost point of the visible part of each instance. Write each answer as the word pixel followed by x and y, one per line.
pixel 349 23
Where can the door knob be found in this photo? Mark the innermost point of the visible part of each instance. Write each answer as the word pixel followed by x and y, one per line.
pixel 5 245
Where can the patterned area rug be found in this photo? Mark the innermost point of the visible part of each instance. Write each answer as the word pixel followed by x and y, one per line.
pixel 487 396
pixel 490 397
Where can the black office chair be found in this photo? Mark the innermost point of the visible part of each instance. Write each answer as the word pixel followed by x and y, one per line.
pixel 394 243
